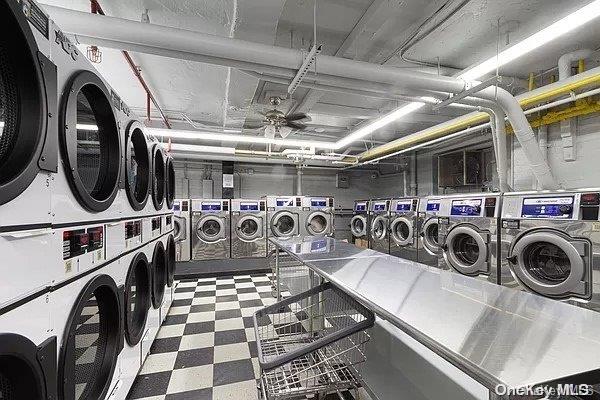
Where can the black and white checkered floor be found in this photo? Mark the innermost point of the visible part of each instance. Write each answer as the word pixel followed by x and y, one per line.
pixel 206 348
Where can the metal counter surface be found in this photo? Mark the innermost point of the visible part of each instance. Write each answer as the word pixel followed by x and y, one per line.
pixel 322 248
pixel 495 334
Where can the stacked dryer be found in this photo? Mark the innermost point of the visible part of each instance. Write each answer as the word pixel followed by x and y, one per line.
pixel 75 176
pixel 403 228
pixel 551 244
pixel 317 216
pixel 248 228
pixel 379 233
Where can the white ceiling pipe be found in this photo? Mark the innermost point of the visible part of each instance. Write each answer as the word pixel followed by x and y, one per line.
pixel 161 40
pixel 565 61
pixel 252 160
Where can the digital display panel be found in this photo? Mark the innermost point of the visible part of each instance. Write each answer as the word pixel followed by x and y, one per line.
pixel 285 202
pixel 176 207
pixel 248 206
pixel 466 207
pixel 213 206
pixel 379 206
pixel 318 246
pixel 433 205
pixel 404 205
pixel 360 207
pixel 318 203
pixel 550 207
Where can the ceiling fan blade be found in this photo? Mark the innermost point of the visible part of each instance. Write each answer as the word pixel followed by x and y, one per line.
pixel 296 117
pixel 295 125
pixel 253 126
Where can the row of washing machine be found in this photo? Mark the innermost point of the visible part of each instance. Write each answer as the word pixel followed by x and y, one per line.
pixel 547 243
pixel 85 221
pixel 208 229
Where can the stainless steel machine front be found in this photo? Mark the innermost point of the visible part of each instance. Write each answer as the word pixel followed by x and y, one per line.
pixel 403 228
pixel 379 233
pixel 283 216
pixel 494 334
pixel 248 228
pixel 359 224
pixel 182 229
pixel 551 245
pixel 210 229
pixel 316 218
pixel 468 234
pixel 428 242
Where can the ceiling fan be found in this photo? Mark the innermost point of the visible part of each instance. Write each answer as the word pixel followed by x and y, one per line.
pixel 276 122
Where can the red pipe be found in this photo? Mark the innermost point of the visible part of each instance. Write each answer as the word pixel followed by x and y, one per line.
pixel 97 9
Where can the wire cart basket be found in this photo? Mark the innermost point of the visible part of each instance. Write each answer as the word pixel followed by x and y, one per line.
pixel 312 344
pixel 279 261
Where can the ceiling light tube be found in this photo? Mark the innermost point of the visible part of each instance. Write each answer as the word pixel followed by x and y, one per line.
pixel 225 137
pixel 193 148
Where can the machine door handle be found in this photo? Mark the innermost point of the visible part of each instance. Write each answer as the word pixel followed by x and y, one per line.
pixel 26 234
pixel 512 259
pixel 444 247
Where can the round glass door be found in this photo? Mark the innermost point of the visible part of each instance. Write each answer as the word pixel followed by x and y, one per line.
pixel 379 228
pixel 551 263
pixel 402 231
pixel 466 251
pixel 358 225
pixel 284 224
pixel 249 228
pixel 430 235
pixel 317 224
pixel 210 229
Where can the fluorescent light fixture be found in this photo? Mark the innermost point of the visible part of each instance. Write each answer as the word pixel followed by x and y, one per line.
pixel 232 130
pixel 565 25
pixel 192 148
pixel 87 127
pixel 226 137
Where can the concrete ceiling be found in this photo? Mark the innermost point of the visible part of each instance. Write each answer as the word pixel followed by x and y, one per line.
pixel 368 30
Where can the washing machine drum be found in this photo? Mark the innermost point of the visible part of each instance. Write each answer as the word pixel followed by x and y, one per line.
pixel 318 223
pixel 211 229
pixel 466 250
pixel 401 231
pixel 379 228
pixel 284 224
pixel 137 167
pixel 26 370
pixel 358 225
pixel 249 227
pixel 179 229
pixel 92 342
pixel 551 263
pixel 23 101
pixel 430 235
pixel 137 298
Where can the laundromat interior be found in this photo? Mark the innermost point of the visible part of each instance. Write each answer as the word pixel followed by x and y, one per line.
pixel 299 200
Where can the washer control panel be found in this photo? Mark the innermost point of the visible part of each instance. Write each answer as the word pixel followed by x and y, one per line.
pixel 569 206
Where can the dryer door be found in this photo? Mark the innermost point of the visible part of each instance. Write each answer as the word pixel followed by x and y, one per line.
pixel 158 177
pixel 318 223
pixel 401 231
pixel 26 370
pixel 210 228
pixel 249 228
pixel 179 229
pixel 170 260
pixel 137 298
pixel 92 341
pixel 284 224
pixel 429 234
pixel 169 182
pixel 137 166
pixel 379 228
pixel 551 263
pixel 358 225
pixel 466 250
pixel 24 101
pixel 159 274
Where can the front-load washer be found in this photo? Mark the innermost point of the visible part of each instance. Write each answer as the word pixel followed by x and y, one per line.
pixel 28 351
pixel 248 228
pixel 317 216
pixel 28 117
pixel 211 229
pixel 359 224
pixel 379 234
pixel 428 242
pixel 87 317
pixel 91 141
pixel 551 244
pixel 403 228
pixel 283 216
pixel 181 229
pixel 468 234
